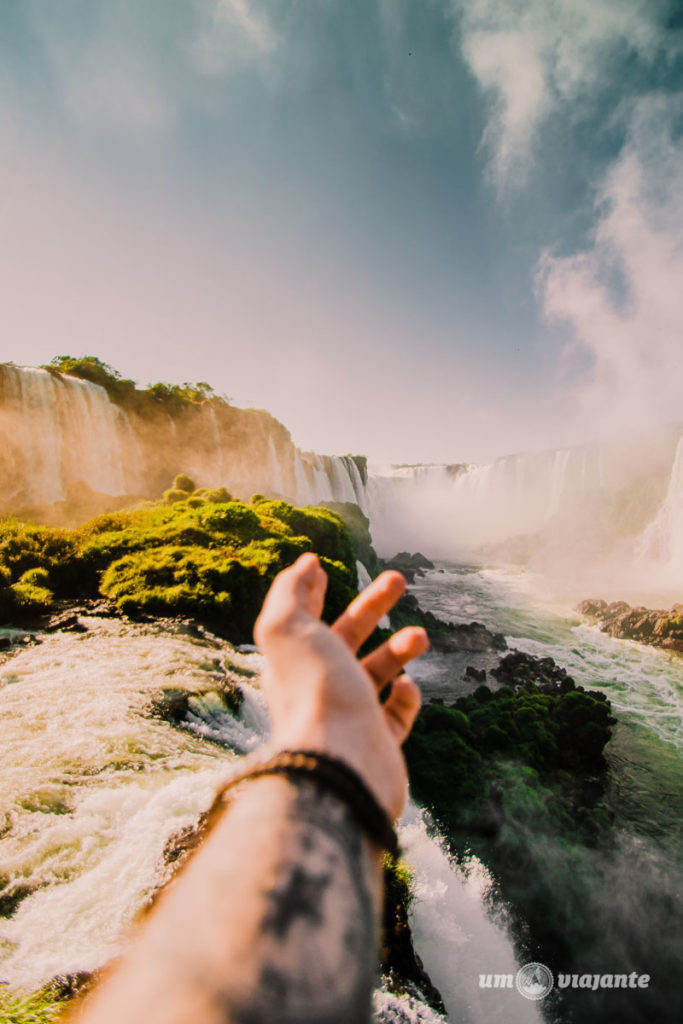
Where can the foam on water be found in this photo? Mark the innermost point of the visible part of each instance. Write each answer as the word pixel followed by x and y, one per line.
pixel 454 934
pixel 94 786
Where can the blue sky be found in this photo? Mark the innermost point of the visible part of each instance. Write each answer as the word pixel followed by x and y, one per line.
pixel 426 230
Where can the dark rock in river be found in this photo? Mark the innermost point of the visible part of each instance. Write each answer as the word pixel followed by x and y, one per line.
pixel 517 669
pixel 446 637
pixel 67 621
pixel 409 565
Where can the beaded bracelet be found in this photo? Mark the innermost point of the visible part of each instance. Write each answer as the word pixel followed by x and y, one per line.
pixel 333 774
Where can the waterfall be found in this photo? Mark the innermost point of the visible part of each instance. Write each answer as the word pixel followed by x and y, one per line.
pixel 56 431
pixel 451 509
pixel 219 471
pixel 342 486
pixel 662 540
pixel 357 483
pixel 304 492
pixel 274 468
pixel 453 934
pixel 322 487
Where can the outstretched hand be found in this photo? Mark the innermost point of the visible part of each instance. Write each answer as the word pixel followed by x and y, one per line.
pixel 321 696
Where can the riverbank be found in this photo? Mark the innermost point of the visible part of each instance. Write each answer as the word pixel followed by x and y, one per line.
pixel 645 625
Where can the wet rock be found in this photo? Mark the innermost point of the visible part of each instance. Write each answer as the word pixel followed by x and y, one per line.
pixel 66 986
pixel 477 674
pixel 517 668
pixel 12 894
pixel 645 625
pixel 171 704
pixel 402 968
pixel 409 565
pixel 446 637
pixel 184 842
pixel 65 622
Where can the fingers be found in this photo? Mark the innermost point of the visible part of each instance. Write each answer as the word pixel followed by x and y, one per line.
pixel 360 618
pixel 300 588
pixel 402 707
pixel 390 658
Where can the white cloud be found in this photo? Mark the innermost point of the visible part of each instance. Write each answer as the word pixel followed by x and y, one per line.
pixel 233 32
pixel 622 297
pixel 532 56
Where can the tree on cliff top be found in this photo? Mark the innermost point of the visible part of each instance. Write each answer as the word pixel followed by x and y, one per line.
pixel 92 369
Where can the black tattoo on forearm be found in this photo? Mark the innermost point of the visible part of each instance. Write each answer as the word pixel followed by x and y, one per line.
pixel 318 937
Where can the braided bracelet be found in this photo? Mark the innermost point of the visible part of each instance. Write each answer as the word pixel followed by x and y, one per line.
pixel 333 774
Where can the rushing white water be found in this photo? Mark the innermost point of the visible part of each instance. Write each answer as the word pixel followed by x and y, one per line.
pixel 455 936
pixel 95 785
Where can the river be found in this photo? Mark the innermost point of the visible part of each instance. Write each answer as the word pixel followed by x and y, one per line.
pixel 95 784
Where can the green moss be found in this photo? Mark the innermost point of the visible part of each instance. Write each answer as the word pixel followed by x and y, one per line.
pixel 514 777
pixel 211 560
pixel 454 752
pixel 325 530
pixel 358 525
pixel 174 495
pixel 234 519
pixel 36 1008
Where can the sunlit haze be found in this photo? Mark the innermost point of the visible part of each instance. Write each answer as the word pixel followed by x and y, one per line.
pixel 437 231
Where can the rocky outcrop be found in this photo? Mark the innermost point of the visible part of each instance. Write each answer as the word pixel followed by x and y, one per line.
pixel 446 637
pixel 410 565
pixel 518 669
pixel 647 626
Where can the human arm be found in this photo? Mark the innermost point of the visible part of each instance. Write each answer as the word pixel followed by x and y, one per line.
pixel 275 918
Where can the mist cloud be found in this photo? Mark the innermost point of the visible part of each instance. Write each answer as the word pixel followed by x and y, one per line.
pixel 534 57
pixel 621 296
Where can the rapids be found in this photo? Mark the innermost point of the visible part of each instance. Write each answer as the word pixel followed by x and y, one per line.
pixel 95 785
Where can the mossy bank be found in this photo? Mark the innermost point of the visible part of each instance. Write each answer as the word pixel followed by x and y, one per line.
pixel 196 553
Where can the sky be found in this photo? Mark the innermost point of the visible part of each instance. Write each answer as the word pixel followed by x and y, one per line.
pixel 421 230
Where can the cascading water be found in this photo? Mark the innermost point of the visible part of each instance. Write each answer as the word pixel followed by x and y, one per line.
pixel 592 498
pixel 274 469
pixel 304 491
pixel 57 431
pixel 60 430
pixel 662 541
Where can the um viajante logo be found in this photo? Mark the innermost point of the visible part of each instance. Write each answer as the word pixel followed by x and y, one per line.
pixel 535 981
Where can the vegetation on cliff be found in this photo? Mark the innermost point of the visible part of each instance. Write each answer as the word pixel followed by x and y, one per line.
pixel 171 397
pixel 196 553
pixel 358 525
pixel 515 776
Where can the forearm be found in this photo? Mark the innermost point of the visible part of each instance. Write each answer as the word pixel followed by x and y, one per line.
pixel 275 920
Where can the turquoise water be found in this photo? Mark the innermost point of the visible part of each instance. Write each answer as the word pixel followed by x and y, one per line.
pixel 632 887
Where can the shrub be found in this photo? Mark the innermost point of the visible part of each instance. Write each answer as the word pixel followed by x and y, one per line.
pixel 174 495
pixel 214 561
pixel 183 482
